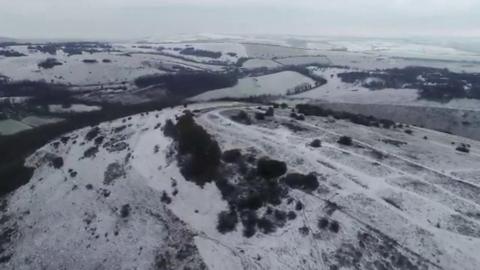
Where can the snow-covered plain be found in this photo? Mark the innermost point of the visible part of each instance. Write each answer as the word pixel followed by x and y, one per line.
pixel 401 202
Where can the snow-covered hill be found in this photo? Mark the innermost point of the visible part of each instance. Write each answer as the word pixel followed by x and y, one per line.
pixel 114 197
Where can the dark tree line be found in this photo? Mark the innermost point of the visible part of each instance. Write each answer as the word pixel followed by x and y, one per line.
pixel 432 83
pixel 189 84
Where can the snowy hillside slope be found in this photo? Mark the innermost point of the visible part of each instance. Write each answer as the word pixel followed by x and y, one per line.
pixel 114 197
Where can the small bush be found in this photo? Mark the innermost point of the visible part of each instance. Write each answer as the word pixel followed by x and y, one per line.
pixel 165 198
pixel 125 210
pixel 92 133
pixel 249 221
pixel 49 63
pixel 345 140
pixel 169 129
pixel 265 225
pixel 323 223
pixel 269 168
pixel 334 226
pixel 270 112
pixel 57 162
pixel 409 131
pixel 316 143
pixel 259 116
pixel 242 117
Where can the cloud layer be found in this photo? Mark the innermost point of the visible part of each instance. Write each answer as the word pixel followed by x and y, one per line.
pixel 140 18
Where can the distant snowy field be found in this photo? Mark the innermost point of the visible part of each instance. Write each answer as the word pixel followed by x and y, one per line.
pixel 274 84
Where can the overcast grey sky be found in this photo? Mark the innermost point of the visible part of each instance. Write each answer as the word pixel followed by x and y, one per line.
pixel 143 18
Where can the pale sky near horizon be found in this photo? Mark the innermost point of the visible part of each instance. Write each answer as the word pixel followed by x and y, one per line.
pixel 144 18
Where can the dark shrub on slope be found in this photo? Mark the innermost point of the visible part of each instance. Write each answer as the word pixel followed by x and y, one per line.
pixel 199 152
pixel 299 181
pixel 269 168
pixel 227 221
pixel 232 156
pixel 345 140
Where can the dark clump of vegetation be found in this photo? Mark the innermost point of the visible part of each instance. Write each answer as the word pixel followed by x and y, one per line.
pixel 323 223
pixel 270 112
pixel 201 53
pixel 249 220
pixel 359 119
pixel 41 92
pixel 49 63
pixel 409 131
pixel 269 168
pixel 265 225
pixel 345 140
pixel 232 156
pixel 259 116
pixel 334 226
pixel 90 61
pixel 199 153
pixel 299 181
pixel 242 117
pixel 57 162
pixel 92 133
pixel 463 148
pixel 189 84
pixel 125 210
pixel 316 143
pixel 11 53
pixel 165 198
pixel 227 221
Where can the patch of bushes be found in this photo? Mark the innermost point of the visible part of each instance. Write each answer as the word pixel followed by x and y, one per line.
pixel 49 63
pixel 11 53
pixel 201 53
pixel 269 168
pixel 299 181
pixel 270 112
pixel 463 148
pixel 359 119
pixel 345 140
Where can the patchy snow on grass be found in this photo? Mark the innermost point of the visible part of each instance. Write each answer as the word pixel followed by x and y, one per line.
pixel 36 121
pixel 10 126
pixel 304 60
pixel 74 108
pixel 260 63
